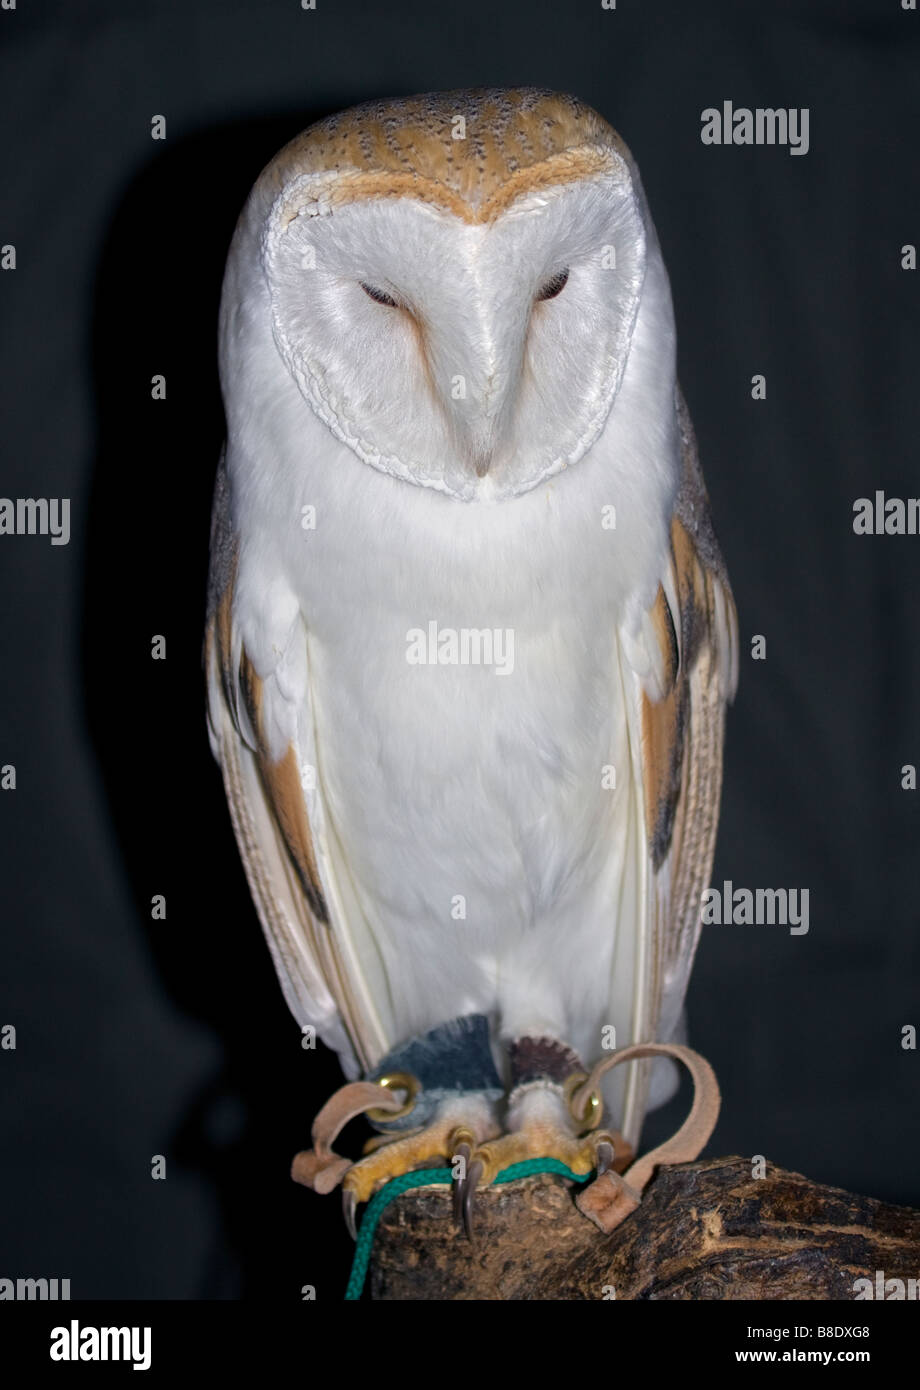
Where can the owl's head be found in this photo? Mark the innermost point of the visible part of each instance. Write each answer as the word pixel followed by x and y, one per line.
pixel 453 281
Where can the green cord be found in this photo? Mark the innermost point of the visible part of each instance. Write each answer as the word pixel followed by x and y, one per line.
pixel 425 1177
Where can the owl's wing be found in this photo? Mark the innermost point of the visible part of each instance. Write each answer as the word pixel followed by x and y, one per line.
pixel 676 733
pixel 279 819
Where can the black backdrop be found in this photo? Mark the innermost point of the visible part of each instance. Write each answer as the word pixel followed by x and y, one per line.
pixel 137 1037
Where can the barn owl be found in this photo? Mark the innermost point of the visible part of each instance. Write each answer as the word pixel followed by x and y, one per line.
pixel 470 635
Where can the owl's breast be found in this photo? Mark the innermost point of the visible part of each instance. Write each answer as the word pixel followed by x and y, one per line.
pixel 467 738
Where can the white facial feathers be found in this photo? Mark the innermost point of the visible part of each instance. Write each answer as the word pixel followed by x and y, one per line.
pixel 472 384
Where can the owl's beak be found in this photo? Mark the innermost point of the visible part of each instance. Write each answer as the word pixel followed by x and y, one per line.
pixel 481 438
pixel 481 423
pixel 487 361
pixel 478 429
pixel 482 461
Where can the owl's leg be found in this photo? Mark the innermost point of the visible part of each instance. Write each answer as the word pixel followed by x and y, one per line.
pixel 545 1075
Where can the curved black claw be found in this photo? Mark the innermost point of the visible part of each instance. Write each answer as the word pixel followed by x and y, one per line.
pixel 468 1199
pixel 605 1157
pixel 463 1151
pixel 349 1207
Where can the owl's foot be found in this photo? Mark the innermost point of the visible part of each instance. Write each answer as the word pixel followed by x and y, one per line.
pixel 462 1125
pixel 548 1117
pixel 599 1152
pixel 430 1096
pixel 544 1121
pixel 542 1125
pixel 583 1154
pixel 462 1121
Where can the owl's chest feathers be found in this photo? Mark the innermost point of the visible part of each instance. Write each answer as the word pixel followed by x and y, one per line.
pixel 464 757
pixel 467 694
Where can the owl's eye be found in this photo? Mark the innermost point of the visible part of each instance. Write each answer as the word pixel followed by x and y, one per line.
pixel 554 286
pixel 378 296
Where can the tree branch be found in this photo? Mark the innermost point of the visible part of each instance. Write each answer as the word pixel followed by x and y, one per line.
pixel 705 1230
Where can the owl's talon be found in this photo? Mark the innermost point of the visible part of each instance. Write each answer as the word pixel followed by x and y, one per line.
pixel 349 1207
pixel 605 1156
pixel 463 1150
pixel 468 1200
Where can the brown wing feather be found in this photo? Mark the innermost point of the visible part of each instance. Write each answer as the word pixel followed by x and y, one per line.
pixel 682 735
pixel 270 819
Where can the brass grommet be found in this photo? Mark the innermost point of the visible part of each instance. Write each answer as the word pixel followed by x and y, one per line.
pixel 395 1081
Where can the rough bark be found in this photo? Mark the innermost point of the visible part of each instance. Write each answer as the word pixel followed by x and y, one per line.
pixel 705 1230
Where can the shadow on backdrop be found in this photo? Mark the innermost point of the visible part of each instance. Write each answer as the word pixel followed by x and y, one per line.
pixel 158 290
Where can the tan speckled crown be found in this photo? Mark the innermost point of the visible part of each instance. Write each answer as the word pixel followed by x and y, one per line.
pixel 514 141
